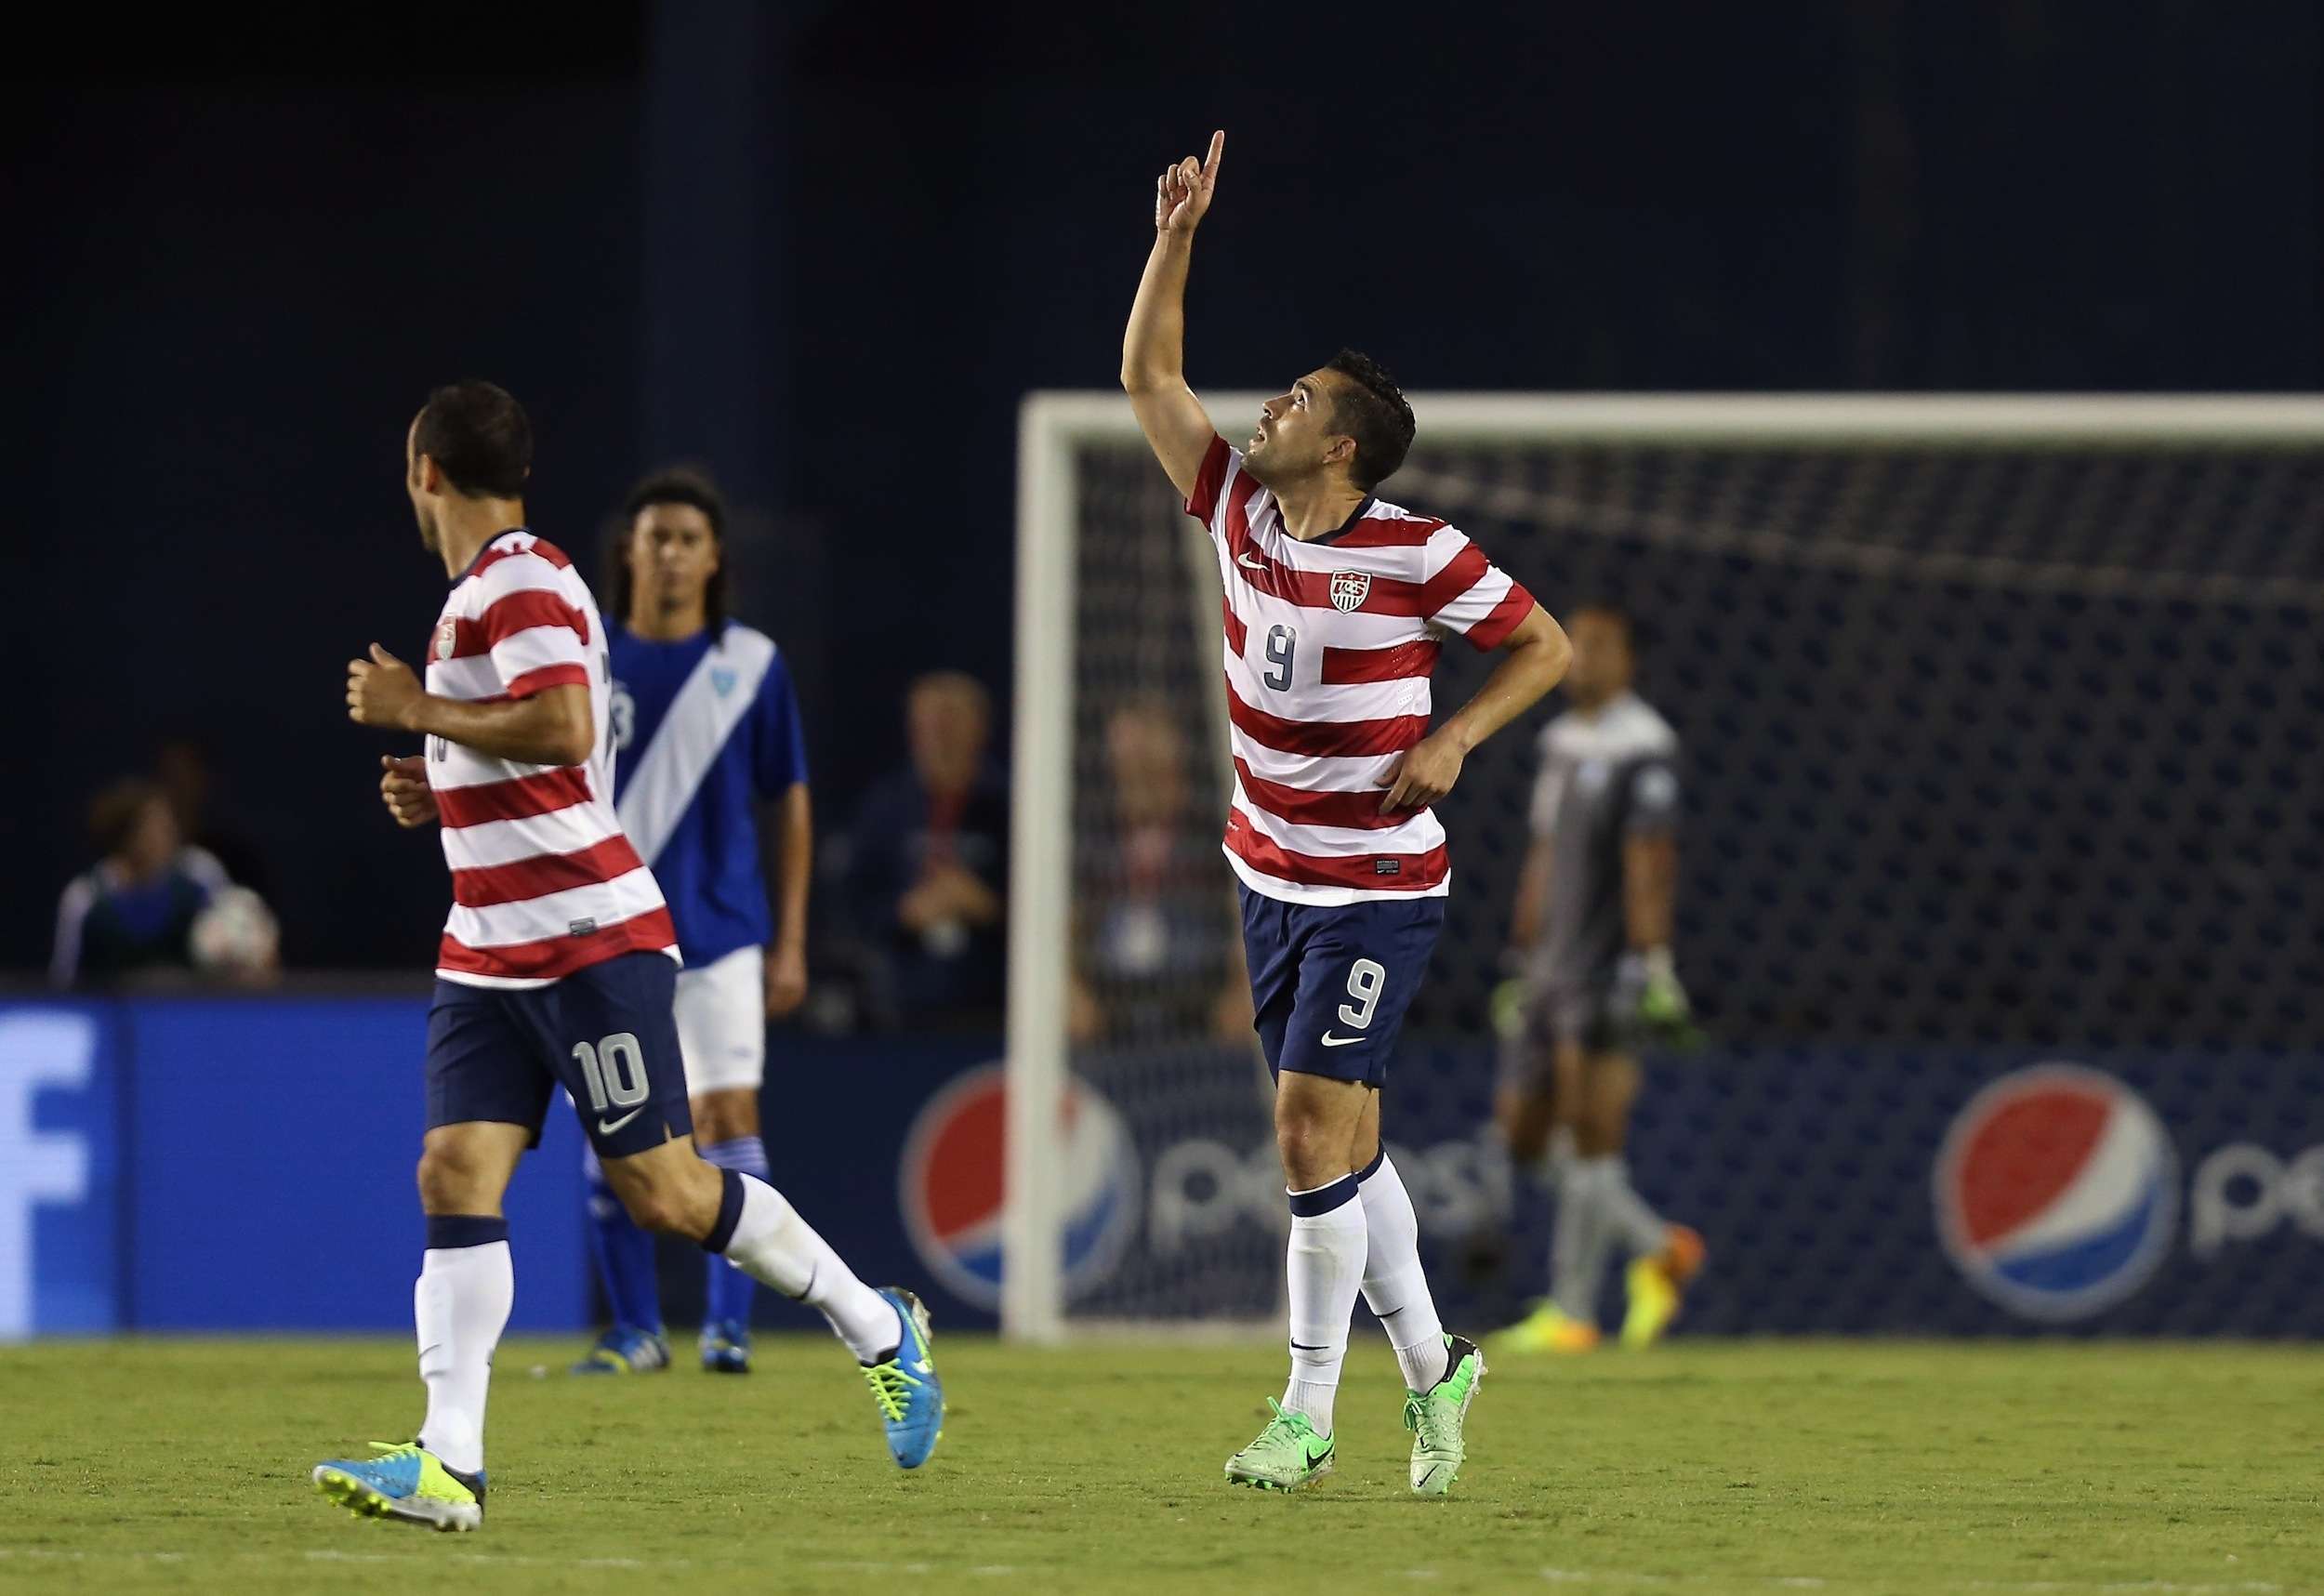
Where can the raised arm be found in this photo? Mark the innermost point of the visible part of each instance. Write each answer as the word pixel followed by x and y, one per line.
pixel 1153 362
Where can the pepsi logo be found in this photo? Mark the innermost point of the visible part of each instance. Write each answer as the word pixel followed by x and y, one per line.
pixel 2057 1191
pixel 951 1185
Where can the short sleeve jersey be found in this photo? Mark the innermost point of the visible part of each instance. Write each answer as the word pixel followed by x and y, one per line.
pixel 1604 778
pixel 707 729
pixel 1329 646
pixel 543 880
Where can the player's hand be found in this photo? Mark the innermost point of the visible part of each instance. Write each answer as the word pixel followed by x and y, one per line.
pixel 1425 774
pixel 1181 194
pixel 404 788
pixel 1647 994
pixel 786 981
pixel 381 690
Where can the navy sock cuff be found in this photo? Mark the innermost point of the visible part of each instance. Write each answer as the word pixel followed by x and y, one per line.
pixel 730 1212
pixel 1373 1167
pixel 1323 1199
pixel 464 1230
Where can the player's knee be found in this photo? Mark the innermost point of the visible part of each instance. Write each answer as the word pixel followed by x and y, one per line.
pixel 1309 1157
pixel 1595 1136
pixel 449 1182
pixel 1523 1131
pixel 724 1117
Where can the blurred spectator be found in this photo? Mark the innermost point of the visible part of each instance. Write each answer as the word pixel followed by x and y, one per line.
pixel 1156 949
pixel 929 864
pixel 182 764
pixel 153 905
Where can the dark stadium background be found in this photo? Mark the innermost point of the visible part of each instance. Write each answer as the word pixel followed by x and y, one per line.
pixel 825 249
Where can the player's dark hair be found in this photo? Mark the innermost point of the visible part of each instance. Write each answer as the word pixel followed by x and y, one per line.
pixel 114 813
pixel 673 485
pixel 479 438
pixel 1370 408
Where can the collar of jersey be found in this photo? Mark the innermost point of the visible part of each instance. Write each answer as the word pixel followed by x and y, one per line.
pixel 485 548
pixel 1345 527
pixel 708 634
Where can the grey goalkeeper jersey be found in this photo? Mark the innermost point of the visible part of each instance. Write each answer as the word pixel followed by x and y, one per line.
pixel 1604 777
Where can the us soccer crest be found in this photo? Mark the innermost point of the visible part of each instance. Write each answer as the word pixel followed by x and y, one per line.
pixel 447 630
pixel 1349 590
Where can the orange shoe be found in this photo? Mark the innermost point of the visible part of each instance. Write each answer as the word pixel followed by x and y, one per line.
pixel 1682 1254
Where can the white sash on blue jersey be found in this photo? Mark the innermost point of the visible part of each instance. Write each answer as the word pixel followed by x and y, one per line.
pixel 704 714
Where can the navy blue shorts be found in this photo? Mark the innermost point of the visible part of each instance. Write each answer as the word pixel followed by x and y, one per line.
pixel 1330 985
pixel 606 1033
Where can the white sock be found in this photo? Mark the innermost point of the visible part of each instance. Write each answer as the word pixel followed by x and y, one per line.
pixel 1577 1242
pixel 776 1247
pixel 1637 1226
pixel 1326 1267
pixel 1394 1284
pixel 460 1307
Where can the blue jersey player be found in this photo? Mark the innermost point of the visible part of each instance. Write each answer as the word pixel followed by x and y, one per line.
pixel 707 755
pixel 557 965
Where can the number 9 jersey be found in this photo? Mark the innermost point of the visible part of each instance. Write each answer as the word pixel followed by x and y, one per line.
pixel 1329 644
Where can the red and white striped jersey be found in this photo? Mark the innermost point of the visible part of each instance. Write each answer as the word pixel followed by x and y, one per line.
pixel 543 881
pixel 1329 644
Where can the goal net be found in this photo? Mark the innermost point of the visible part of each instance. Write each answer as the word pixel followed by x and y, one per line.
pixel 1991 707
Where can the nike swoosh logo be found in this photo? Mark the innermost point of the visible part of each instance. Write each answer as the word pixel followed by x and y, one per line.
pixel 923 1367
pixel 1249 563
pixel 606 1128
pixel 1332 1041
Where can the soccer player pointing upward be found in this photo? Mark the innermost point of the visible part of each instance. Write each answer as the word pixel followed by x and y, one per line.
pixel 1336 605
pixel 558 966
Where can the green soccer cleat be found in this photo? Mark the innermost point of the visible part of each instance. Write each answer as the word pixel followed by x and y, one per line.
pixel 1438 1416
pixel 1287 1454
pixel 408 1483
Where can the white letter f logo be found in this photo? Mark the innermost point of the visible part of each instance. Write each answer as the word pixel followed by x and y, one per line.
pixel 37 1051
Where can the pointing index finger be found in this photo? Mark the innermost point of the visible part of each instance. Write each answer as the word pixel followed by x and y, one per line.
pixel 1210 162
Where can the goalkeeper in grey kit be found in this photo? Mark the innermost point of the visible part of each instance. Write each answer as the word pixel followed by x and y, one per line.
pixel 1592 925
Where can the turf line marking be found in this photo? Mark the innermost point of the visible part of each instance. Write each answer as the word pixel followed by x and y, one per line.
pixel 418 1556
pixel 2015 1587
pixel 834 1565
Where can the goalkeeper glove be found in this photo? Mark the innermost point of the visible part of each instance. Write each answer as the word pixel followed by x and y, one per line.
pixel 1647 997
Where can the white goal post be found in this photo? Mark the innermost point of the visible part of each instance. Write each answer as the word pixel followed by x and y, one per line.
pixel 1056 428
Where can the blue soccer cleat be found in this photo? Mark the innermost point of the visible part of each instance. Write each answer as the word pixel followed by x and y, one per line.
pixel 624 1351
pixel 911 1398
pixel 408 1483
pixel 726 1347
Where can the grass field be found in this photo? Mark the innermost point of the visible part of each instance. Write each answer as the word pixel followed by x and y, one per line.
pixel 1700 1468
